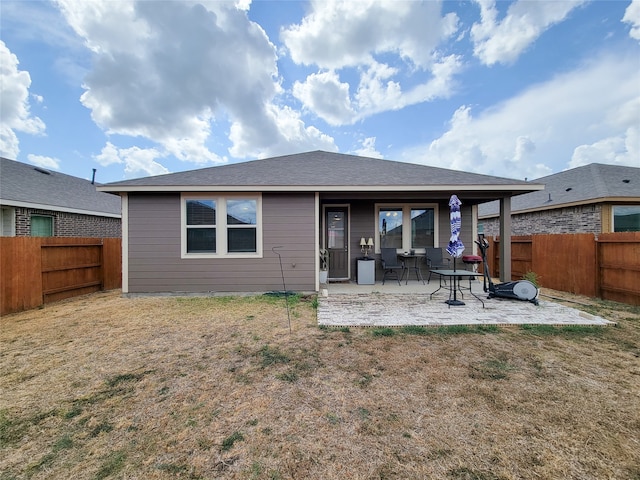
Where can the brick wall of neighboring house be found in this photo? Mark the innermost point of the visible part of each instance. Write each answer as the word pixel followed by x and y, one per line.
pixel 70 224
pixel 578 219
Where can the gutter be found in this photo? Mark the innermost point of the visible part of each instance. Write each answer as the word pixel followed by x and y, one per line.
pixel 321 188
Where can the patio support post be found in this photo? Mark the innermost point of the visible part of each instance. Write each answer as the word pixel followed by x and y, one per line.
pixel 124 208
pixel 319 226
pixel 505 239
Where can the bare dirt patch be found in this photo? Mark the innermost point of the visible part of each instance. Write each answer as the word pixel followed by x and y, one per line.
pixel 111 387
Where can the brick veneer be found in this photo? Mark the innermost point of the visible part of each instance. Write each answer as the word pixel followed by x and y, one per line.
pixel 579 219
pixel 70 224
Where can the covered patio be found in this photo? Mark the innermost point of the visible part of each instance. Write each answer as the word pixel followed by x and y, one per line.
pixel 343 304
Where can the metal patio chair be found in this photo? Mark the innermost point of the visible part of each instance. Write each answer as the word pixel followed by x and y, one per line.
pixel 435 260
pixel 391 264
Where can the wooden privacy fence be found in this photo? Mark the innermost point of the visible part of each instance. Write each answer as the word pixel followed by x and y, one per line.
pixel 606 265
pixel 38 270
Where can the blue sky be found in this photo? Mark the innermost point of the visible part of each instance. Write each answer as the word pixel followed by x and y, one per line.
pixel 134 88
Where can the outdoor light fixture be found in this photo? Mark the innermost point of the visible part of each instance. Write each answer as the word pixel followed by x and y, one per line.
pixel 366 246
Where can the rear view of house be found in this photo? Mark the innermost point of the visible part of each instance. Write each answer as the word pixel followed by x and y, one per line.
pixel 218 229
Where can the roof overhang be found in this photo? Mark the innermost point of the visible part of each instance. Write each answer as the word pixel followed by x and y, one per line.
pixel 56 208
pixel 515 189
pixel 556 206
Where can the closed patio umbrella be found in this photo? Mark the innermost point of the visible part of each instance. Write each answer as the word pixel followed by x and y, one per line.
pixel 455 247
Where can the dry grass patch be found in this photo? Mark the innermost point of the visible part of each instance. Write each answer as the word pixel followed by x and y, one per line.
pixel 199 388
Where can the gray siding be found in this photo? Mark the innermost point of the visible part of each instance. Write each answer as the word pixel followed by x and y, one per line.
pixel 154 259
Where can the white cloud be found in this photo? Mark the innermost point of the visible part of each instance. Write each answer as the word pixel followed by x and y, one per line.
pixel 243 4
pixel 142 161
pixel 341 33
pixel 623 149
pixel 9 143
pixel 137 161
pixel 180 74
pixel 14 104
pixel 330 99
pixel 326 96
pixel 368 149
pixel 503 41
pixel 44 162
pixel 632 17
pixel 572 119
pixel 339 36
pixel 377 91
pixel 290 136
pixel 109 155
pixel 375 96
pixel 107 28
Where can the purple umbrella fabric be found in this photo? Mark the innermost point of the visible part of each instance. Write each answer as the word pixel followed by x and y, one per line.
pixel 455 247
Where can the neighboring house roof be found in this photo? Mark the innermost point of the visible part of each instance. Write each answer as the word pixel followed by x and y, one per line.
pixel 23 185
pixel 322 171
pixel 593 183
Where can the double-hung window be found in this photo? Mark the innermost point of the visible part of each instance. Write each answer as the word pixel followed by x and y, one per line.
pixel 406 227
pixel 221 225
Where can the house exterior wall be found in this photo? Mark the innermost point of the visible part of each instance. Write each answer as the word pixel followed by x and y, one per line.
pixel 68 224
pixel 155 264
pixel 577 219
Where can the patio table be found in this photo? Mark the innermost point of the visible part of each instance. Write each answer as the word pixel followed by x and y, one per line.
pixel 454 284
pixel 415 268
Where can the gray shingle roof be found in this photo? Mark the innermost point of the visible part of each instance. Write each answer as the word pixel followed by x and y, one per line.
pixel 26 185
pixel 587 184
pixel 319 169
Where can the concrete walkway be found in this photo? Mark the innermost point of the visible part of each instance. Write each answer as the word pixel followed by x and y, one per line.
pixel 392 306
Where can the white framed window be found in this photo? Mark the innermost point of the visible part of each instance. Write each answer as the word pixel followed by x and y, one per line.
pixel 406 226
pixel 221 225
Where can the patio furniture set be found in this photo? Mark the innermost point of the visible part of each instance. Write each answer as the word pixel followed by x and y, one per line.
pixel 397 265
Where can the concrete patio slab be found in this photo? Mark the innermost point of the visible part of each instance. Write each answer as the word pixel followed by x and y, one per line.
pixel 393 306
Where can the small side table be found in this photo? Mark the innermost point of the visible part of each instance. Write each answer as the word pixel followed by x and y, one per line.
pixel 366 271
pixel 412 268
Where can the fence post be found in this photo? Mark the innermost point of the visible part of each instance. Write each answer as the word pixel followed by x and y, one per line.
pixel 598 271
